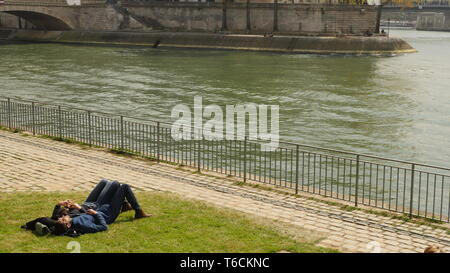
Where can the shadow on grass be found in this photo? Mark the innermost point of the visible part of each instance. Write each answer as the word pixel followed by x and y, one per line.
pixel 128 220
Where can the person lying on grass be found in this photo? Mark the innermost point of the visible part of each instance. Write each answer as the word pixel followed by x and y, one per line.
pixel 101 194
pixel 101 208
pixel 109 203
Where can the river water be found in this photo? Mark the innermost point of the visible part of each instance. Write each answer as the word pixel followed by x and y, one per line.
pixel 396 107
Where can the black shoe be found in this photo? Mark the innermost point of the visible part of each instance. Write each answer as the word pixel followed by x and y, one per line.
pixel 41 229
pixel 141 214
pixel 23 226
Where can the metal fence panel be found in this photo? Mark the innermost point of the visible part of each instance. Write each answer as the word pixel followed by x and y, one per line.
pixel 405 187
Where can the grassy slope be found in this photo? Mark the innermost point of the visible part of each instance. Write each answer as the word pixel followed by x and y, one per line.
pixel 177 226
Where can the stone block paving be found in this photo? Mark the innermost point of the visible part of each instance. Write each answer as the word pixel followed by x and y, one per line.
pixel 37 164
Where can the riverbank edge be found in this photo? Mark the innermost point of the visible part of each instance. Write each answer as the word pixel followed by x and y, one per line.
pixel 351 45
pixel 433 29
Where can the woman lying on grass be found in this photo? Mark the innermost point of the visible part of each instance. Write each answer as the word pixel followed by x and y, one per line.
pixel 101 208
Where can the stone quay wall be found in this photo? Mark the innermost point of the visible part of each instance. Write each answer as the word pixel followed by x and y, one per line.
pixel 434 21
pixel 256 18
pixel 253 18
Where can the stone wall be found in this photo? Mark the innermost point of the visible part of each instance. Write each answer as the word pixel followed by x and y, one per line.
pixel 287 44
pixel 434 21
pixel 348 20
pixel 8 21
pixel 406 18
pixel 179 18
pixel 256 18
pixel 99 18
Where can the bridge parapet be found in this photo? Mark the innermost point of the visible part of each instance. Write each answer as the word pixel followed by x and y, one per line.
pixel 53 3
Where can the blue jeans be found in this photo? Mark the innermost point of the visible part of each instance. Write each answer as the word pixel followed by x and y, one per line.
pixel 123 193
pixel 113 194
pixel 103 192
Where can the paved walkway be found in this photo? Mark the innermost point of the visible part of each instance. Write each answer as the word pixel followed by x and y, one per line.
pixel 35 164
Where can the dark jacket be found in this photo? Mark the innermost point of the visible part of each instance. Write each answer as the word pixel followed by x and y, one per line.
pixel 86 223
pixel 59 211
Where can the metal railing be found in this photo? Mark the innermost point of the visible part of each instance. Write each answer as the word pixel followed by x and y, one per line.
pixel 443 4
pixel 400 186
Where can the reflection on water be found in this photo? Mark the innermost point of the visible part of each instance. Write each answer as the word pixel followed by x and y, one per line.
pixel 396 106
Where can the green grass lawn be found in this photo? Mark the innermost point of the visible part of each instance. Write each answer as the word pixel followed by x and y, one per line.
pixel 178 225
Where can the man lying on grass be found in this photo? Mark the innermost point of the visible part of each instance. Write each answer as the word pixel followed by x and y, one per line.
pixel 101 208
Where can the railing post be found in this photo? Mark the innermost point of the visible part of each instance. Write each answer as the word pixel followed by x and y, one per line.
pixel 198 153
pixel 296 169
pixel 389 26
pixel 377 26
pixel 357 180
pixel 90 129
pixel 249 28
pixel 224 15
pixel 275 16
pixel 59 122
pixel 157 141
pixel 121 134
pixel 9 113
pixel 413 167
pixel 33 118
pixel 245 158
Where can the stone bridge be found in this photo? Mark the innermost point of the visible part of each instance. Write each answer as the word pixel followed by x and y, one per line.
pixel 66 15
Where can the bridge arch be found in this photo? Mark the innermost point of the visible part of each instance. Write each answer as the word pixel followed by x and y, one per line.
pixel 42 19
